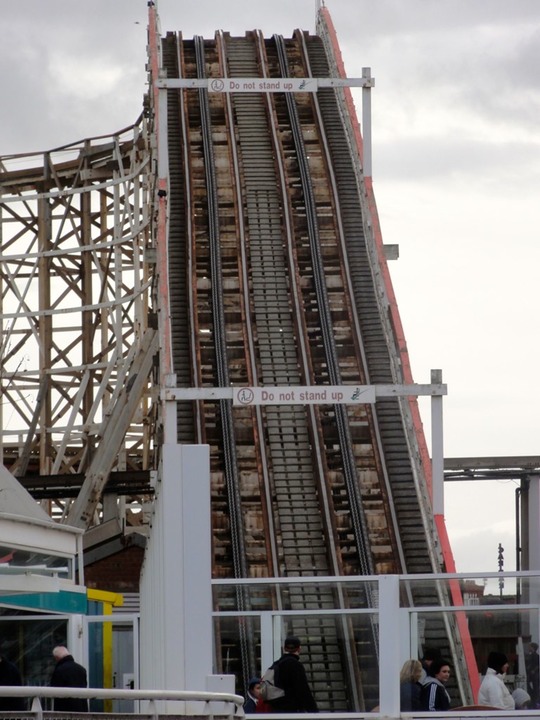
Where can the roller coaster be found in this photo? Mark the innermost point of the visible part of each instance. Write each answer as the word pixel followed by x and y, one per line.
pixel 255 261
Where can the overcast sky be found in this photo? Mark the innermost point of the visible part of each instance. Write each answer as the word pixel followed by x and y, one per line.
pixel 456 167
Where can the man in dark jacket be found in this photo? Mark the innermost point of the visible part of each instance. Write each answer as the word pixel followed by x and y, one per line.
pixel 290 675
pixel 69 674
pixel 10 675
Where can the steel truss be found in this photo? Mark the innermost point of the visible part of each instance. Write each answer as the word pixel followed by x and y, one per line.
pixel 78 340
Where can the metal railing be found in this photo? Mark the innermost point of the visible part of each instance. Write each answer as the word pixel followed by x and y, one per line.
pixel 155 703
pixel 401 624
pixel 210 705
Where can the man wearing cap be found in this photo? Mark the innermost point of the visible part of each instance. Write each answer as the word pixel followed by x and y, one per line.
pixel 290 675
pixel 493 691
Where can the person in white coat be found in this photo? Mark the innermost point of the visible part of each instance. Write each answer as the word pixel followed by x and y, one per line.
pixel 493 691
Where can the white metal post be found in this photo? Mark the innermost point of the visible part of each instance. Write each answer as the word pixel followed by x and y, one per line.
pixel 176 591
pixel 413 634
pixel 389 650
pixel 136 659
pixel 437 447
pixel 163 149
pixel 169 413
pixel 76 642
pixel 366 120
pixel 190 558
pixel 533 541
pixel 267 647
pixel 79 574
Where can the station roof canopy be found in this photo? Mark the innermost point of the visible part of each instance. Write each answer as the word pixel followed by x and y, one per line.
pixel 35 551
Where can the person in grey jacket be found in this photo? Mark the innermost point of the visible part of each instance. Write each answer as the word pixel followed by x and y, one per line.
pixel 433 695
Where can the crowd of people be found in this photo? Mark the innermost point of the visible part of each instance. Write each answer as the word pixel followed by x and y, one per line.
pixel 66 674
pixel 422 684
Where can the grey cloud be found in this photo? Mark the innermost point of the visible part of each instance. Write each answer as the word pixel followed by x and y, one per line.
pixel 395 17
pixel 419 160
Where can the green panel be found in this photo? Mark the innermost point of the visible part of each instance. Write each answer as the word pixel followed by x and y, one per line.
pixel 95 607
pixel 63 601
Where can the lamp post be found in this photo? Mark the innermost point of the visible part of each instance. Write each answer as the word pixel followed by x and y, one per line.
pixel 501 567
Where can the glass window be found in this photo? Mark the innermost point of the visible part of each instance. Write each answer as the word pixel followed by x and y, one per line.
pixel 15 557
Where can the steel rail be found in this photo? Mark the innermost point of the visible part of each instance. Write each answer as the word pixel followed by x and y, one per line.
pixel 359 521
pixel 190 259
pixel 248 342
pixel 246 116
pixel 301 337
pixel 312 413
pixel 414 544
pixel 251 364
pixel 379 454
pixel 304 355
pixel 220 344
pixel 355 506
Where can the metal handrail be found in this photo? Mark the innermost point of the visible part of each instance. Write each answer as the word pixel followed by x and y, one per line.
pixel 39 691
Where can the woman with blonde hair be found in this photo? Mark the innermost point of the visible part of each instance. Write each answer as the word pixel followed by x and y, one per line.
pixel 409 685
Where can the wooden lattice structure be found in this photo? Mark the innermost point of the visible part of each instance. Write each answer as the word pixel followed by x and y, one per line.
pixel 78 339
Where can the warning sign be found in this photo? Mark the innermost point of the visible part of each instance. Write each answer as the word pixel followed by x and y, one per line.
pixel 224 85
pixel 305 395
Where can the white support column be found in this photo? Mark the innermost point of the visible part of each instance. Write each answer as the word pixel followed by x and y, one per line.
pixel 437 447
pixel 267 649
pixel 76 642
pixel 169 413
pixel 533 522
pixel 411 629
pixel 366 121
pixel 389 650
pixel 163 149
pixel 79 561
pixel 196 556
pixel 176 592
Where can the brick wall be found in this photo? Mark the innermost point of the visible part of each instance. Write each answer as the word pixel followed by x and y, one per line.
pixel 118 572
